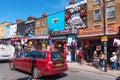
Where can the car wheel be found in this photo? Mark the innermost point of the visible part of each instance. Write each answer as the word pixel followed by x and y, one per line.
pixel 36 73
pixel 11 65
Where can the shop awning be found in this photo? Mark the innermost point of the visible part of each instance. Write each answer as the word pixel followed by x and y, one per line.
pixel 59 37
pixel 41 37
pixel 14 39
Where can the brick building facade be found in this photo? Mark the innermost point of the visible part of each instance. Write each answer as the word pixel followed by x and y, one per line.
pixel 95 12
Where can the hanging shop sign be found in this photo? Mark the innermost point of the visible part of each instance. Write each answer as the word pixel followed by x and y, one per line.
pixel 98 31
pixel 59 37
pixel 62 32
pixel 76 16
pixel 98 47
pixel 104 38
pixel 116 42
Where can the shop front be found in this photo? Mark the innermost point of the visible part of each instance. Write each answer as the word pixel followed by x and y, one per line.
pixel 91 40
pixel 59 40
pixel 64 41
pixel 41 42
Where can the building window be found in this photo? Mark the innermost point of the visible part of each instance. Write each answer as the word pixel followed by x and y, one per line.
pixel 55 20
pixel 42 32
pixel 97 27
pixel 110 25
pixel 96 2
pixel 96 15
pixel 44 22
pixel 110 12
pixel 38 24
pixel 37 34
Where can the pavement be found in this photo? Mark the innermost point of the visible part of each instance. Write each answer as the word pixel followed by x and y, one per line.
pixel 90 68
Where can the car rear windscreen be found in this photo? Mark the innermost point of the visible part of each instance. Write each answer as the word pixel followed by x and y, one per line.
pixel 57 56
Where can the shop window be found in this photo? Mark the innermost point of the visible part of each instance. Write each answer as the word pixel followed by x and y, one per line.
pixel 96 2
pixel 43 22
pixel 97 15
pixel 110 12
pixel 55 20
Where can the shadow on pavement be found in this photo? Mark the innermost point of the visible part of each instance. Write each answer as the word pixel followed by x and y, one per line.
pixel 4 61
pixel 118 78
pixel 53 77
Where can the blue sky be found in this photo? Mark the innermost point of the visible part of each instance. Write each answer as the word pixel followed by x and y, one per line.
pixel 10 10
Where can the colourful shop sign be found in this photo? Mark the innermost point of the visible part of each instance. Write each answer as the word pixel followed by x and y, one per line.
pixel 98 31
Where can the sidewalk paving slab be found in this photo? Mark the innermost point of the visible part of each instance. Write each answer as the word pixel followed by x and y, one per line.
pixel 90 68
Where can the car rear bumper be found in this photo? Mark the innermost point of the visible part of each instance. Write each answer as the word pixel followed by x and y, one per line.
pixel 56 70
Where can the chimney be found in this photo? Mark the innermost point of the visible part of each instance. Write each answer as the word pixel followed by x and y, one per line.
pixel 31 18
pixel 19 21
pixel 44 15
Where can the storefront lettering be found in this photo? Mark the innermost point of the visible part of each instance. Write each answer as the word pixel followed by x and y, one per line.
pixel 65 31
pixel 111 29
pixel 61 32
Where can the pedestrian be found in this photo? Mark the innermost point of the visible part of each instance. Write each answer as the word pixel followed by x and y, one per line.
pixel 101 59
pixel 80 56
pixel 72 54
pixel 118 60
pixel 114 60
pixel 77 55
pixel 95 59
pixel 16 51
pixel 95 54
pixel 33 48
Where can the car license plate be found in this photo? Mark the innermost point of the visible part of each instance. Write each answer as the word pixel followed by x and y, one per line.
pixel 59 64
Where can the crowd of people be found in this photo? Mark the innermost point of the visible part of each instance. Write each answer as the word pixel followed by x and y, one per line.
pixel 98 59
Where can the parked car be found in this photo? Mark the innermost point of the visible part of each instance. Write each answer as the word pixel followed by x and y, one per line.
pixel 40 63
pixel 6 52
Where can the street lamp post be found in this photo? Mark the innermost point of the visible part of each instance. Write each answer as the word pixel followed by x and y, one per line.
pixel 105 33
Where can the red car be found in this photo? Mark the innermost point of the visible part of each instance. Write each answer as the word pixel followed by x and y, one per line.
pixel 40 63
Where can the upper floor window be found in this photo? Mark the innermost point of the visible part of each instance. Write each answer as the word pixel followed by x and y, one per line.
pixel 37 33
pixel 96 15
pixel 38 24
pixel 98 26
pixel 110 12
pixel 43 22
pixel 111 24
pixel 55 20
pixel 43 32
pixel 96 2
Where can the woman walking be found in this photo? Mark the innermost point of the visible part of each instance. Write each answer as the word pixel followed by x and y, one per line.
pixel 80 56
